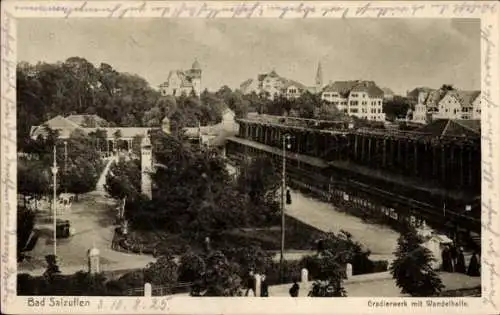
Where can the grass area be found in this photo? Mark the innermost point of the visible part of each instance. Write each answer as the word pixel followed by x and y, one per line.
pixel 298 236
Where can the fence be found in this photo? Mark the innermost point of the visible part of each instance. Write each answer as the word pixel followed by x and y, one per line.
pixel 181 287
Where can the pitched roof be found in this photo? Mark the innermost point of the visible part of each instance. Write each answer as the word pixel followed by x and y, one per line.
pixel 89 121
pixel 346 87
pixel 185 79
pixel 287 83
pixel 434 97
pixel 63 125
pixel 341 87
pixel 246 84
pixel 126 132
pixel 272 74
pixel 451 127
pixel 465 98
pixel 414 93
pixel 369 87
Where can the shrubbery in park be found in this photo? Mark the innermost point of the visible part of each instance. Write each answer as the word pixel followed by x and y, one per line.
pixel 412 268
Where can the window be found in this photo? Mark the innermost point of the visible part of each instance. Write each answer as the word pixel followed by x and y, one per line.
pixel 354 110
pixel 380 102
pixel 354 103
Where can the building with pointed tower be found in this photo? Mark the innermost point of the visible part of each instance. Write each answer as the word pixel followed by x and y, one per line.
pixel 146 166
pixel 319 78
pixel 183 81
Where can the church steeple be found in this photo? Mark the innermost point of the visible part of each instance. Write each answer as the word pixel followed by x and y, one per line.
pixel 319 77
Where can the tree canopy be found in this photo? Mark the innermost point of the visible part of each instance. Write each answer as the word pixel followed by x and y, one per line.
pixel 78 162
pixel 412 268
pixel 77 86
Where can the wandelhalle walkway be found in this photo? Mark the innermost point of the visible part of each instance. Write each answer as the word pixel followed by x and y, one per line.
pixel 92 217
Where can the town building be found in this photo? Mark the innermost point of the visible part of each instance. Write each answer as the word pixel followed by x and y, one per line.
pixel 213 135
pixel 273 85
pixel 362 99
pixel 447 104
pixel 65 126
pixel 180 81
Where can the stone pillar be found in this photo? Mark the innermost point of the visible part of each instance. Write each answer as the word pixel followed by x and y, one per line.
pixel 147 289
pixel 348 271
pixel 93 260
pixel 146 166
pixel 304 275
pixel 258 280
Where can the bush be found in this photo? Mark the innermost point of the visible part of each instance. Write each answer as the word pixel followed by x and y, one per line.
pixel 80 283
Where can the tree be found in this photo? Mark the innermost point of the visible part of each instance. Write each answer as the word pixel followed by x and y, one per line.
pixel 26 238
pixel 412 268
pixel 33 178
pixel 162 272
pixel 124 180
pixel 249 258
pixel 83 166
pixel 191 267
pixel 396 108
pixel 221 276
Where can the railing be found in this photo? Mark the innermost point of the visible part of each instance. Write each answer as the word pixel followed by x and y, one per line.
pixel 181 287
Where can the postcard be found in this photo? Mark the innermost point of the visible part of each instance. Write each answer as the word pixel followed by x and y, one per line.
pixel 272 157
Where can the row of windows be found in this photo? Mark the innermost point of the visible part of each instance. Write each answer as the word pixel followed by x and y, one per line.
pixel 354 103
pixel 455 111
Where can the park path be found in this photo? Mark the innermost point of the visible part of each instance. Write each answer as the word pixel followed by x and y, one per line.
pixel 93 218
pixel 381 240
pixel 380 285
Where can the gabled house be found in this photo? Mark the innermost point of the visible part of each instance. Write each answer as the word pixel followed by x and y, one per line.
pixel 179 81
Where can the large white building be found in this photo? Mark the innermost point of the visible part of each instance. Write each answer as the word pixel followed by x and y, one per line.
pixel 179 81
pixel 447 104
pixel 362 99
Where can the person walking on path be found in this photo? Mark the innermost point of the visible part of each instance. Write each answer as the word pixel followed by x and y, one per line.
pixel 473 270
pixel 454 256
pixel 460 266
pixel 264 287
pixel 294 290
pixel 250 283
pixel 447 261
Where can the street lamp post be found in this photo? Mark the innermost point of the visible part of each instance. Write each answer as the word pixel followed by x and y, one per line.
pixel 286 144
pixel 65 166
pixel 54 210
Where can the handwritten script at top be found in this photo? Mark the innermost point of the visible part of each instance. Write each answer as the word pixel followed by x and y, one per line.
pixel 251 9
pixel 9 157
pixel 490 215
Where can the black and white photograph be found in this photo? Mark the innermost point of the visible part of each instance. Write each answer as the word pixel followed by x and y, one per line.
pixel 258 158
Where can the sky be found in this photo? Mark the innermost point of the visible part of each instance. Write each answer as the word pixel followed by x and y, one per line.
pixel 400 54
